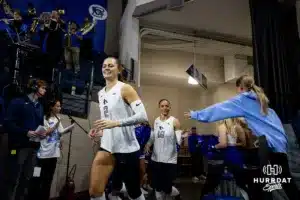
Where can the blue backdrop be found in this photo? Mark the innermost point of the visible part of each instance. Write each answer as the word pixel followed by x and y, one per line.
pixel 76 10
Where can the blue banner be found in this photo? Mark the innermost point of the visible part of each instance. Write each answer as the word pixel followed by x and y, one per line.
pixel 74 10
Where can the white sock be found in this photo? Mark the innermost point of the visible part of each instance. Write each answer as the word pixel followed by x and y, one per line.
pixel 139 198
pixel 174 192
pixel 99 198
pixel 159 195
pixel 123 190
pixel 144 191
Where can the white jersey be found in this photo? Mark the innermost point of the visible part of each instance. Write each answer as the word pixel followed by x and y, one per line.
pixel 113 107
pixel 50 146
pixel 164 146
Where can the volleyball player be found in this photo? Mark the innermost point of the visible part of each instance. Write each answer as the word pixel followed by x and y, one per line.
pixel 252 104
pixel 231 136
pixel 166 135
pixel 121 109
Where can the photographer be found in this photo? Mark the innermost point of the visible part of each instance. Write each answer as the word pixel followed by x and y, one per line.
pixel 24 115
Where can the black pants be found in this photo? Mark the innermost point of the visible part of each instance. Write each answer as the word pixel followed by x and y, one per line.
pixel 40 186
pixel 214 176
pixel 163 176
pixel 197 164
pixel 127 170
pixel 21 164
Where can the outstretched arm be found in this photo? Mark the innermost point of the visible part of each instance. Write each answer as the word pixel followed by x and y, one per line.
pixel 231 108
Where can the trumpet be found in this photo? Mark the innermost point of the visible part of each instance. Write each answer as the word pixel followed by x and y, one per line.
pixel 32 12
pixel 61 11
pixel 5 19
pixel 34 25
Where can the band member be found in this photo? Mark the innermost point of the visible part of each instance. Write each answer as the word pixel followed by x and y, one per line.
pixel 16 25
pixel 52 45
pixel 72 49
pixel 30 14
pixel 88 31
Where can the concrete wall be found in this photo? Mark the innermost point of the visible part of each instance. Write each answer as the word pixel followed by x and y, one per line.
pixel 129 38
pixel 114 8
pixel 183 98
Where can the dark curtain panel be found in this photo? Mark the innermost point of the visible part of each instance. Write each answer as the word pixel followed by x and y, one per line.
pixel 275 38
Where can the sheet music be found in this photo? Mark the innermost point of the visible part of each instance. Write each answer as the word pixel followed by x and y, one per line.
pixel 68 129
pixel 39 130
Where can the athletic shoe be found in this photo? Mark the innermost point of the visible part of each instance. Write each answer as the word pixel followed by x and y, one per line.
pixel 144 191
pixel 149 188
pixel 195 179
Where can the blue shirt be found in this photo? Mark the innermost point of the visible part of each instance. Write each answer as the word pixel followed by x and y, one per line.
pixel 193 142
pixel 22 116
pixel 75 41
pixel 247 105
pixel 142 135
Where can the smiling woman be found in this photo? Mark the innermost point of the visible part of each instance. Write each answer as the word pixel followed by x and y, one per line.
pixel 121 109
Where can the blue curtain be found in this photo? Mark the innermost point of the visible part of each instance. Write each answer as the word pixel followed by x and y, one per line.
pixel 75 10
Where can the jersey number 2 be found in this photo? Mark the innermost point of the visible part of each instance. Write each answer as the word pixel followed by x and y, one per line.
pixel 105 109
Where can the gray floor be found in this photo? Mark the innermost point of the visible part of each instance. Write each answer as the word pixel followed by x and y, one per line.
pixel 188 190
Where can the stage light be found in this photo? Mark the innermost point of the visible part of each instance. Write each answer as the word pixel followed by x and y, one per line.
pixel 192 81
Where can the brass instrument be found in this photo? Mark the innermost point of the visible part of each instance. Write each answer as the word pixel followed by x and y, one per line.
pixel 34 25
pixel 61 12
pixel 88 27
pixel 32 12
pixel 5 19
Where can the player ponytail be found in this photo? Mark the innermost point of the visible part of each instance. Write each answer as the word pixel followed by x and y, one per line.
pixel 247 83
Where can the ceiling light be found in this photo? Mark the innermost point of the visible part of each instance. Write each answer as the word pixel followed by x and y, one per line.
pixel 192 81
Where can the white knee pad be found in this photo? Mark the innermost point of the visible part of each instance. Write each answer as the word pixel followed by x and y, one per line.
pixel 123 190
pixel 174 192
pixel 99 198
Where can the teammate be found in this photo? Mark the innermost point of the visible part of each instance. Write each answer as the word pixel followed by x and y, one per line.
pixel 166 135
pixel 231 136
pixel 121 109
pixel 252 104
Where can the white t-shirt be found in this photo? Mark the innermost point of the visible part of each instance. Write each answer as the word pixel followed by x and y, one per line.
pixel 50 146
pixel 113 107
pixel 164 141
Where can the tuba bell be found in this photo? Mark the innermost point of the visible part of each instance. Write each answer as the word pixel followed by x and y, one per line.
pixel 88 27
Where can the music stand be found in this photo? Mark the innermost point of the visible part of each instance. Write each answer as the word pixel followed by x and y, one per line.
pixel 19 44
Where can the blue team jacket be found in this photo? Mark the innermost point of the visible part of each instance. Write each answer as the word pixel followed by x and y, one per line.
pixel 246 105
